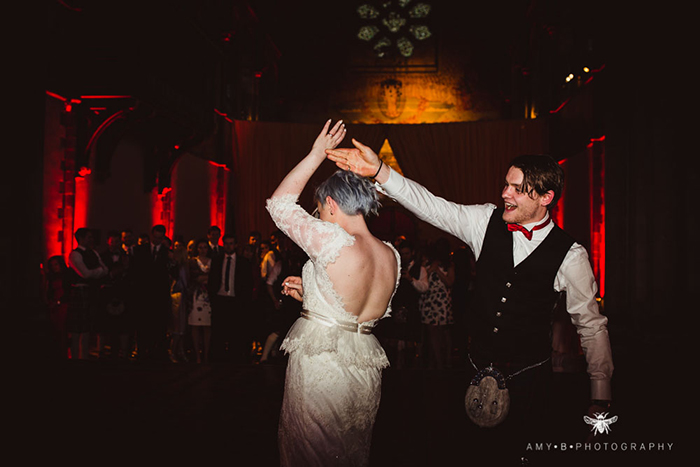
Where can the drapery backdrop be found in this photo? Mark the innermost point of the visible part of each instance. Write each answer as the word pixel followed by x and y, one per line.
pixel 462 162
pixel 465 162
pixel 264 152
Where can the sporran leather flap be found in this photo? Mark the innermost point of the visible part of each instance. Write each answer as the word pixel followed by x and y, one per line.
pixel 487 400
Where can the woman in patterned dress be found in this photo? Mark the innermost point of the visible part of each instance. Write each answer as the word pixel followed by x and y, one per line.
pixel 436 304
pixel 199 317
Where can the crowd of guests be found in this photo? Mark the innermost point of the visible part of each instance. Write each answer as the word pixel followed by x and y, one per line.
pixel 428 326
pixel 157 298
pixel 212 299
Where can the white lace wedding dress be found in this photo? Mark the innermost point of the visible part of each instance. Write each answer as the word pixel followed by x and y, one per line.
pixel 333 381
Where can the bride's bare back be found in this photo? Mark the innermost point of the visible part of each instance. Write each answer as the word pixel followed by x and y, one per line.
pixel 364 275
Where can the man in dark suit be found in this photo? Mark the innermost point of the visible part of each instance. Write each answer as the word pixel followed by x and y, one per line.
pixel 152 295
pixel 230 288
pixel 213 236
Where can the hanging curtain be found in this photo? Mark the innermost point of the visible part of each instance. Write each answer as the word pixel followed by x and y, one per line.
pixel 263 154
pixel 465 162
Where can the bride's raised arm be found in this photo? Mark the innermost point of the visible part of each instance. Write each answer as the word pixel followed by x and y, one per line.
pixel 312 235
pixel 296 180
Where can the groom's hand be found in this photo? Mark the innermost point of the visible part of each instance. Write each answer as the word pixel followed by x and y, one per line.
pixel 360 159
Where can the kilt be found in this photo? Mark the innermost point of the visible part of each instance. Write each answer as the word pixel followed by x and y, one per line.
pixel 82 306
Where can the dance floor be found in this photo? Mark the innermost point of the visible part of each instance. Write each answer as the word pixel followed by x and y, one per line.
pixel 131 413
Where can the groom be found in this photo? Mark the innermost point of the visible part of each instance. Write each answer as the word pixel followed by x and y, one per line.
pixel 524 261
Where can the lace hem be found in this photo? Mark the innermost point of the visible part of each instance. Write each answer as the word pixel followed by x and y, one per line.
pixel 360 350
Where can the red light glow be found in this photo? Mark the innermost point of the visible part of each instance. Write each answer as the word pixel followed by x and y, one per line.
pixel 596 152
pixel 161 209
pixel 105 97
pixel 558 210
pixel 218 194
pixel 560 107
pixel 56 96
pixel 223 115
pixel 82 190
pixel 98 132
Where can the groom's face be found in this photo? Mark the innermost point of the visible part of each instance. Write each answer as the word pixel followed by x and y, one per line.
pixel 520 207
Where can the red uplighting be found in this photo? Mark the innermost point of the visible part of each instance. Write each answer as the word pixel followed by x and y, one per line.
pixel 218 189
pixel 594 140
pixel 105 97
pixel 56 96
pixel 596 154
pixel 223 115
pixel 216 164
pixel 103 127
pixel 560 107
pixel 84 171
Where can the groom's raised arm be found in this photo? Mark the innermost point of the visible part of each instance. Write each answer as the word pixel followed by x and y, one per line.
pixel 462 221
pixel 468 223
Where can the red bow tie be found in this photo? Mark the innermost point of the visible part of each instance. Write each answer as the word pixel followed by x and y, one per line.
pixel 527 233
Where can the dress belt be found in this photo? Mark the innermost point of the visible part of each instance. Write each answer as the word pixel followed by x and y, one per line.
pixel 332 322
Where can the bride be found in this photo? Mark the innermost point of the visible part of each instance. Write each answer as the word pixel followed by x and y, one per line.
pixel 333 381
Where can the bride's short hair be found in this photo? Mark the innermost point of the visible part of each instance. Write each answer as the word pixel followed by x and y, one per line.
pixel 353 194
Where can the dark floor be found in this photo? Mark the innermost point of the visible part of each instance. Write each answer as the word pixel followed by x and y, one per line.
pixel 178 414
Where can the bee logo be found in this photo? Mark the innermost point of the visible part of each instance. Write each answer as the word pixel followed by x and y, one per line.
pixel 600 423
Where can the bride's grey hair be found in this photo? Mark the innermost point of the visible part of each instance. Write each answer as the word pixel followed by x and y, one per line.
pixel 354 194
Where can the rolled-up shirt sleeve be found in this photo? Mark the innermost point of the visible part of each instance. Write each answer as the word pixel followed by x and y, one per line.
pixel 576 278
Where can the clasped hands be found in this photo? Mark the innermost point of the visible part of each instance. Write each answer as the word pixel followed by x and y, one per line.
pixel 360 159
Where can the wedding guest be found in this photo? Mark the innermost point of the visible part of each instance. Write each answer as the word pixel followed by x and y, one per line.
pixel 199 318
pixel 436 304
pixel 87 271
pixel 230 287
pixel 213 236
pixel 57 289
pixel 151 283
pixel 114 323
pixel 177 324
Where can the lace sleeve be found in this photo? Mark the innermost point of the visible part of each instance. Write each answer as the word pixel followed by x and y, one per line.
pixel 322 241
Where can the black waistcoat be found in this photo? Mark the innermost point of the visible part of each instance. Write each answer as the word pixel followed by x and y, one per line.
pixel 511 319
pixel 91 261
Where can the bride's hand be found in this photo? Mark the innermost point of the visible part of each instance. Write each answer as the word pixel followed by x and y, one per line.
pixel 293 287
pixel 360 159
pixel 329 139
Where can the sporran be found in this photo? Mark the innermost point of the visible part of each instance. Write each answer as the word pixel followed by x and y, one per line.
pixel 487 400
